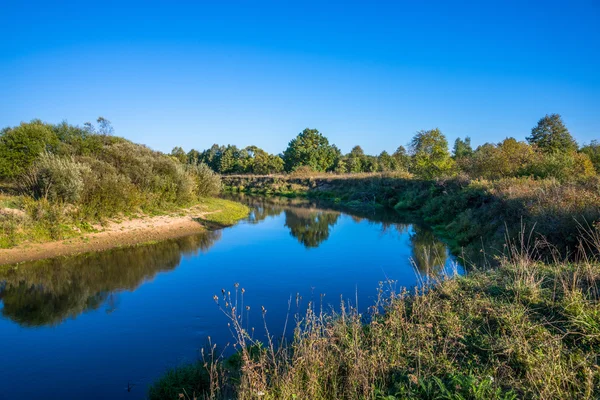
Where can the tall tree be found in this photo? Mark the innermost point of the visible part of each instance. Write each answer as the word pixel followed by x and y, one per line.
pixel 310 148
pixel 402 157
pixel 462 148
pixel 431 158
pixel 551 135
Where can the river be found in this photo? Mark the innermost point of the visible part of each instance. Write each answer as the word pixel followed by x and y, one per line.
pixel 105 325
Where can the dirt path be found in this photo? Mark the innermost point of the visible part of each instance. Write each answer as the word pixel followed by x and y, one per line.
pixel 126 233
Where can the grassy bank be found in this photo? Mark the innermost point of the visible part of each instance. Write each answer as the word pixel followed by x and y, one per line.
pixel 28 222
pixel 474 215
pixel 526 330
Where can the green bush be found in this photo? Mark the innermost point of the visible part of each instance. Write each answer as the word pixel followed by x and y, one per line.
pixel 191 381
pixel 21 146
pixel 563 166
pixel 207 182
pixel 55 178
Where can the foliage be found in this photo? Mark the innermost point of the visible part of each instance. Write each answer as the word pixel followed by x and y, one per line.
pixel 552 136
pixel 592 150
pixel 55 178
pixel 563 166
pixel 462 148
pixel 550 153
pixel 431 158
pixel 310 148
pixel 508 158
pixel 21 146
pixel 191 379
pixel 70 176
pixel 207 182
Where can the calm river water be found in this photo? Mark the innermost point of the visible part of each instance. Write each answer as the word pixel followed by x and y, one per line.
pixel 105 325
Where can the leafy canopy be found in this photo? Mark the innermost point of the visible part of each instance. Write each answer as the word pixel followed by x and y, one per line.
pixel 551 135
pixel 310 148
pixel 431 158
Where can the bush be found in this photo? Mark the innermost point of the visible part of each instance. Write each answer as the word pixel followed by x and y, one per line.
pixel 55 178
pixel 207 182
pixel 562 166
pixel 191 380
pixel 20 147
pixel 106 191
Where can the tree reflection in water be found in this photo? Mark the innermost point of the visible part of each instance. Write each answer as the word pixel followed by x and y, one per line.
pixel 48 292
pixel 310 227
pixel 429 253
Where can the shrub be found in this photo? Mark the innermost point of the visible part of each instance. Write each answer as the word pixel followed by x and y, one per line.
pixel 55 178
pixel 191 380
pixel 562 166
pixel 106 191
pixel 207 182
pixel 21 146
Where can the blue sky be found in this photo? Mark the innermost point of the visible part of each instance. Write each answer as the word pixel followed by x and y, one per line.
pixel 369 73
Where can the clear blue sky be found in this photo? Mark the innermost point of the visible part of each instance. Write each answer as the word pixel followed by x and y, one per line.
pixel 368 73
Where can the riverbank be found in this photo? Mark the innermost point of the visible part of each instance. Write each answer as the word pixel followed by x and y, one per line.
pixel 475 216
pixel 208 214
pixel 528 327
pixel 524 330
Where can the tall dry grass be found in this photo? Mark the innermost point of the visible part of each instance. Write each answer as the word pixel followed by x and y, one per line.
pixel 526 330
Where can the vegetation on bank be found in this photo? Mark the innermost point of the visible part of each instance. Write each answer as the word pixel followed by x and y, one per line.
pixel 524 330
pixel 548 152
pixel 475 216
pixel 59 180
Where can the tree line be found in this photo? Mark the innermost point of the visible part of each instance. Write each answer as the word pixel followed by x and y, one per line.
pixel 549 151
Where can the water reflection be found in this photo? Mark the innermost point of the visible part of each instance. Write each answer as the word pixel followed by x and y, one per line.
pixel 48 292
pixel 45 293
pixel 428 252
pixel 310 227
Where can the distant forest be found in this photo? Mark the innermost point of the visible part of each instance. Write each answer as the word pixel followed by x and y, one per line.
pixel 550 151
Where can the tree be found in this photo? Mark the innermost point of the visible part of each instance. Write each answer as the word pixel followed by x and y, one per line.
pixel 592 150
pixel 462 148
pixel 386 162
pixel 340 166
pixel 179 155
pixel 402 158
pixel 193 157
pixel 262 162
pixel 22 145
pixel 357 151
pixel 229 160
pixel 310 148
pixel 508 158
pixel 431 158
pixel 563 166
pixel 551 135
pixel 104 126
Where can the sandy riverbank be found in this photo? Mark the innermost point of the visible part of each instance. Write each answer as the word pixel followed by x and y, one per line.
pixel 114 234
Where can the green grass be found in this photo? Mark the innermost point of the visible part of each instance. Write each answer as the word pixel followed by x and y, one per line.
pixel 38 221
pixel 524 330
pixel 223 212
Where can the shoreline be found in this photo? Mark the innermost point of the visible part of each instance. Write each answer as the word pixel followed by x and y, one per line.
pixel 122 234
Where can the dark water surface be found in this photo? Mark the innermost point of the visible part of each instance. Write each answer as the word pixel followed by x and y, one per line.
pixel 87 327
